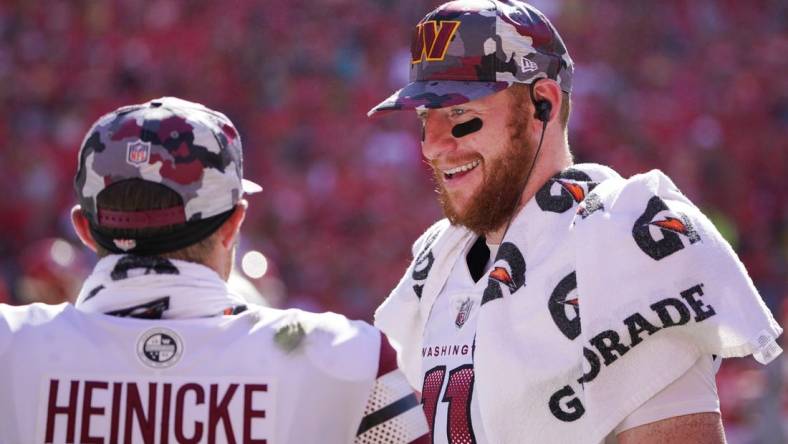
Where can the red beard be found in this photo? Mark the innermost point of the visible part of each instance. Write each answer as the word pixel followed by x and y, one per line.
pixel 496 200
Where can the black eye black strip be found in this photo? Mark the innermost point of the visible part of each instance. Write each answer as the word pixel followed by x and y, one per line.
pixel 465 128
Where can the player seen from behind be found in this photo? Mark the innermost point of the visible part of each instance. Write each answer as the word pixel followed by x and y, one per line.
pixel 156 348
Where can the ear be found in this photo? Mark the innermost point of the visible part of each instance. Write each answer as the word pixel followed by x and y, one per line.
pixel 82 227
pixel 232 226
pixel 548 89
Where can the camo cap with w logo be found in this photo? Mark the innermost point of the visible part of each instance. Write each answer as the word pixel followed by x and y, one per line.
pixel 467 49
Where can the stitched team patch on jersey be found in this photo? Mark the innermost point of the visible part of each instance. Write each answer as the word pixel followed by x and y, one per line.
pixel 159 347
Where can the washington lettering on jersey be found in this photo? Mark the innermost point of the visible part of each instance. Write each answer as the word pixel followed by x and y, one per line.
pixel 445 350
pixel 124 410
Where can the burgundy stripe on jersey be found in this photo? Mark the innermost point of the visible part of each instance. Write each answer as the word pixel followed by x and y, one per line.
pixel 388 357
pixel 424 439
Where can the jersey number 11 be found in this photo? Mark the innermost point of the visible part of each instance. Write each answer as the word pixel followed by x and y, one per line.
pixel 459 388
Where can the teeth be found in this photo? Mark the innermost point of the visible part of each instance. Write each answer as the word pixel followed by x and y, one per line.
pixel 462 168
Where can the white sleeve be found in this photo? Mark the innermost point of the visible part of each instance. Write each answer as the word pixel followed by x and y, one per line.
pixel 393 414
pixel 693 392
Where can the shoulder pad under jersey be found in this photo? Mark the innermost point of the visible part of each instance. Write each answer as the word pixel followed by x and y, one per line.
pixel 342 348
pixel 13 319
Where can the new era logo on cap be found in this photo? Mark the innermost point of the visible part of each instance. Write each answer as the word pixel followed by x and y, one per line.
pixel 528 65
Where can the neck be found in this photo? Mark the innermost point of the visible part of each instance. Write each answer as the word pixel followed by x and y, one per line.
pixel 542 172
pixel 222 264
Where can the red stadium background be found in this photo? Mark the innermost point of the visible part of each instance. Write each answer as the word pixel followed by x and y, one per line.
pixel 695 88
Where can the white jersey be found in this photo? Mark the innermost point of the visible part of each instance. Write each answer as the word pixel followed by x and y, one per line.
pixel 449 393
pixel 449 396
pixel 260 376
pixel 537 368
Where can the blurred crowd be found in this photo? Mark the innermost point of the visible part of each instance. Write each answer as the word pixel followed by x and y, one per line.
pixel 695 88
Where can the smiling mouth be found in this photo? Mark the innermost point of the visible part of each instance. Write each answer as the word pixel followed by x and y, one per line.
pixel 461 170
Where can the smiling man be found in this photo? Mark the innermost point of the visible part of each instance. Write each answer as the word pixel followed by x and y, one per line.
pixel 481 180
pixel 556 302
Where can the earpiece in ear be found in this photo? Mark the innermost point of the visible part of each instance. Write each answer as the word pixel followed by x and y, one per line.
pixel 542 107
pixel 542 110
pixel 465 128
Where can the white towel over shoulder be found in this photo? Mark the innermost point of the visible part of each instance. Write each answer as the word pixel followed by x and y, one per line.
pixel 655 274
pixel 653 283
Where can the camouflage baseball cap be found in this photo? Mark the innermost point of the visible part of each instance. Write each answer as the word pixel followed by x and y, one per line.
pixel 467 49
pixel 191 149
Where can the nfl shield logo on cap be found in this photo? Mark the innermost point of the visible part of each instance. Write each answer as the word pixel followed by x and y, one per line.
pixel 184 146
pixel 137 152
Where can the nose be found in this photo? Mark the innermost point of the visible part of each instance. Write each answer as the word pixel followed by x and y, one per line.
pixel 437 135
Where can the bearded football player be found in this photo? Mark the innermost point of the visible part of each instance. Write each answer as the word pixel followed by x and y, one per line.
pixel 556 302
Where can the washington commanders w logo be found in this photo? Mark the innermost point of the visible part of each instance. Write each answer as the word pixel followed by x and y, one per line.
pixel 432 40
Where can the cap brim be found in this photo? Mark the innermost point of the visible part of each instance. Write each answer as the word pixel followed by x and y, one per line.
pixel 437 94
pixel 250 187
